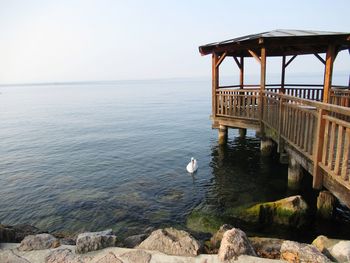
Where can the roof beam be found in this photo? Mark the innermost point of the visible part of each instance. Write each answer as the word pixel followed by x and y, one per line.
pixel 320 58
pixel 221 59
pixel 237 62
pixel 290 61
pixel 254 55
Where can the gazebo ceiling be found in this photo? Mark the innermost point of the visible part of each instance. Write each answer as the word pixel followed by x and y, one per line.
pixel 280 43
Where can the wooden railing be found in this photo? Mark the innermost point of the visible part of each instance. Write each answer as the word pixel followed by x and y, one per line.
pixel 340 96
pixel 239 103
pixel 300 122
pixel 319 131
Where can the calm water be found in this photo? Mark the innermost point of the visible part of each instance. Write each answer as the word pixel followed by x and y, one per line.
pixel 113 155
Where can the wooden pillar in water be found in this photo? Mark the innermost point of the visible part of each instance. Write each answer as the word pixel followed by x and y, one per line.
pixel 222 134
pixel 295 174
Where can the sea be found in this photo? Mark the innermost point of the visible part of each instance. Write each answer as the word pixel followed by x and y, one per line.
pixel 89 156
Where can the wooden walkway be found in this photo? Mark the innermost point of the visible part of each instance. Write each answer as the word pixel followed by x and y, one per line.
pixel 317 134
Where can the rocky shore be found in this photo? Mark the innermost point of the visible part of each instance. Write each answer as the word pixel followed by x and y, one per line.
pixel 24 243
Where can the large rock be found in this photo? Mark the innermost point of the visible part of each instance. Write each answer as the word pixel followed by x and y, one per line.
pixel 267 247
pixel 290 211
pixel 37 242
pixel 233 244
pixel 298 252
pixel 172 241
pixel 341 251
pixel 215 240
pixel 133 241
pixel 91 241
pixel 15 234
pixel 138 256
pixel 8 256
pixel 323 244
pixel 65 256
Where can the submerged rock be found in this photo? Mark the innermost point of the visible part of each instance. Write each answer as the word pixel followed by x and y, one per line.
pixel 290 211
pixel 267 247
pixel 16 233
pixel 298 252
pixel 233 244
pixel 38 242
pixel 172 241
pixel 203 222
pixel 91 241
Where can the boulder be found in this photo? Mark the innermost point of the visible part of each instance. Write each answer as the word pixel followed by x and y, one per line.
pixel 290 211
pixel 91 241
pixel 323 244
pixel 8 256
pixel 215 240
pixel 233 244
pixel 65 256
pixel 138 256
pixel 109 258
pixel 267 247
pixel 172 241
pixel 341 251
pixel 133 241
pixel 38 242
pixel 15 234
pixel 298 252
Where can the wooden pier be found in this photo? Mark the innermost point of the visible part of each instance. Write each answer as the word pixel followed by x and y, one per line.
pixel 310 123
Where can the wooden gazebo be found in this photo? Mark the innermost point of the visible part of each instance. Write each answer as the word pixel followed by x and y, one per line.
pixel 310 122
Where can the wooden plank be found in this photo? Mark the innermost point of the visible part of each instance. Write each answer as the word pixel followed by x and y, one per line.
pixel 345 161
pixel 290 60
pixel 215 83
pixel 325 144
pixel 331 146
pixel 330 56
pixel 254 55
pixel 320 58
pixel 241 75
pixel 339 150
pixel 221 59
pixel 318 147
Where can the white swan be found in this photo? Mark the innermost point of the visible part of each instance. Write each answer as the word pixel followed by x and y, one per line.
pixel 192 166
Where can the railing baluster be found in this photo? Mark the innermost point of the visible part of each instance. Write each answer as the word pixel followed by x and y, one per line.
pixel 345 163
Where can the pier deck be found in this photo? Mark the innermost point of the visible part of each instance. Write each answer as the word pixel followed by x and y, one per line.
pixel 311 123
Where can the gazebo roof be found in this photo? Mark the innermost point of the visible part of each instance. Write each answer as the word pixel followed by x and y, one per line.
pixel 280 42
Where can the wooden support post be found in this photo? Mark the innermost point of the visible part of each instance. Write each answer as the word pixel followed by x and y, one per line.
pixel 222 134
pixel 215 82
pixel 262 86
pixel 295 174
pixel 318 150
pixel 283 73
pixel 241 76
pixel 330 57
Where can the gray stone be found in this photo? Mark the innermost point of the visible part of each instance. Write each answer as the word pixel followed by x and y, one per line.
pixel 298 252
pixel 65 256
pixel 7 256
pixel 17 233
pixel 172 241
pixel 215 240
pixel 138 256
pixel 341 251
pixel 110 258
pixel 267 247
pixel 91 241
pixel 233 244
pixel 37 242
pixel 323 244
pixel 133 241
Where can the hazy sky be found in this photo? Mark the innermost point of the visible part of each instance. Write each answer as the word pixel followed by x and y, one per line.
pixel 74 40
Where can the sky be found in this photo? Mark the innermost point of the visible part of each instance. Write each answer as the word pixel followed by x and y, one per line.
pixel 86 40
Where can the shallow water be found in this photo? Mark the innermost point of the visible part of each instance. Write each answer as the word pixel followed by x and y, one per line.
pixel 92 156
